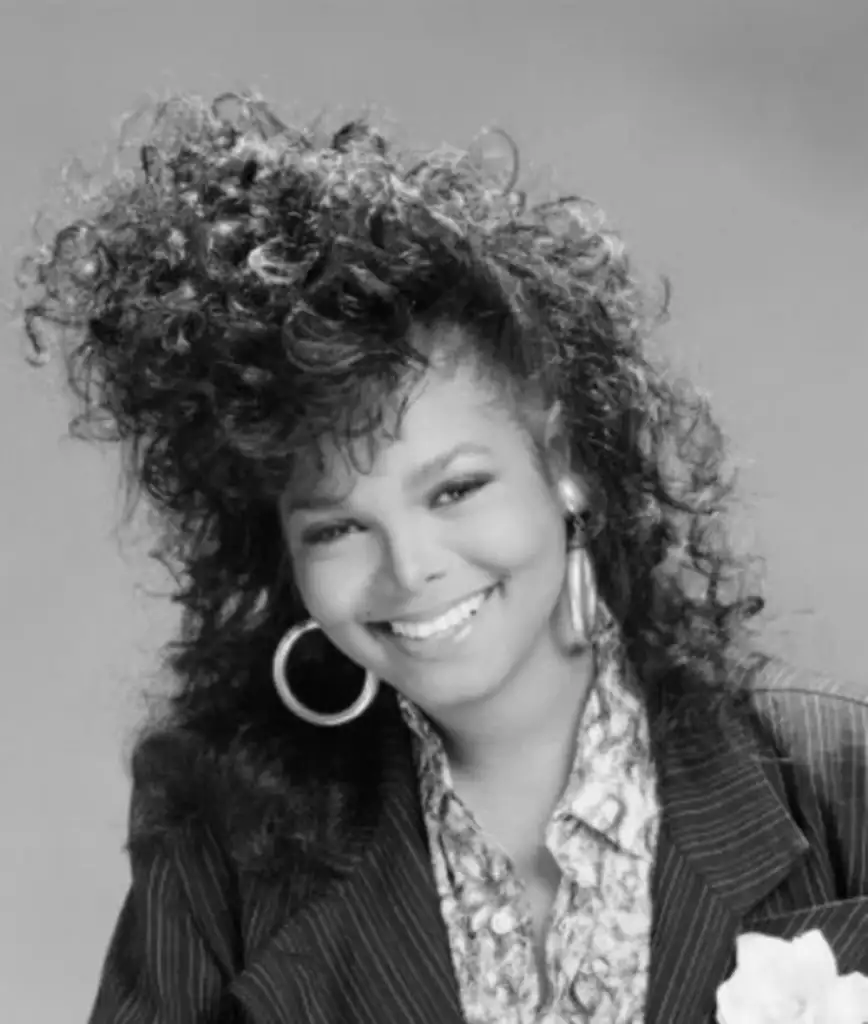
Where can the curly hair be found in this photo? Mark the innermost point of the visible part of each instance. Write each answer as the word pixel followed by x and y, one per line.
pixel 247 295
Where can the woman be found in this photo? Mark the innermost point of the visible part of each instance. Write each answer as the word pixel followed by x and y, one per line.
pixel 468 725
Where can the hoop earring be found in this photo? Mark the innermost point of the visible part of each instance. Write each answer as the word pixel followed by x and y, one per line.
pixel 279 674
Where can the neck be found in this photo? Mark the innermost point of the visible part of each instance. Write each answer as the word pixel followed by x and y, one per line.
pixel 532 720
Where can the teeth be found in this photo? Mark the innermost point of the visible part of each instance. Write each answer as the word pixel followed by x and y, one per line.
pixel 454 617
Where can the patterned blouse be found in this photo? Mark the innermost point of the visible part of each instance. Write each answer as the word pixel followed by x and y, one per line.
pixel 602 835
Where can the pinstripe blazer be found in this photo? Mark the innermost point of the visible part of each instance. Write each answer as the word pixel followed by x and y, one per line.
pixel 769 833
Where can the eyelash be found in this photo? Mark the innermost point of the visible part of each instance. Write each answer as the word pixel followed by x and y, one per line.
pixel 322 535
pixel 465 487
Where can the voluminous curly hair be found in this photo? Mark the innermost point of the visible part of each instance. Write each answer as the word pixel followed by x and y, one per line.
pixel 245 296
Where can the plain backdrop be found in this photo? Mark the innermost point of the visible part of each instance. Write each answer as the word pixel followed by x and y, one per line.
pixel 728 140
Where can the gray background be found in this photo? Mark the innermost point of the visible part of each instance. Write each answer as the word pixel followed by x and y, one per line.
pixel 727 139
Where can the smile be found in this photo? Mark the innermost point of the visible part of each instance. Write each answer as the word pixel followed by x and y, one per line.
pixel 453 624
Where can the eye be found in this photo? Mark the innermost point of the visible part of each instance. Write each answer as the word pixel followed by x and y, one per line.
pixel 459 490
pixel 326 534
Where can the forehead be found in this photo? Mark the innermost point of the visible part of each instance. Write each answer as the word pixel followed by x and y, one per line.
pixel 446 407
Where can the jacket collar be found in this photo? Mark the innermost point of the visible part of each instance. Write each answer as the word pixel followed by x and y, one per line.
pixel 373 946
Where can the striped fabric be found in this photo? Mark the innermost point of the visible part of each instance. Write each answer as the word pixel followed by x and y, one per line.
pixel 769 833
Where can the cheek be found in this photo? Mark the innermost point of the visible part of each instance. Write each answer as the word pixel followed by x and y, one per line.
pixel 518 536
pixel 332 588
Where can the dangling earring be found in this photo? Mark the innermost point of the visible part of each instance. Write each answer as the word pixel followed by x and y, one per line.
pixel 279 674
pixel 582 594
pixel 581 584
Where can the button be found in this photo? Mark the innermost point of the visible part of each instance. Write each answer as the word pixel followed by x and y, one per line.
pixel 502 921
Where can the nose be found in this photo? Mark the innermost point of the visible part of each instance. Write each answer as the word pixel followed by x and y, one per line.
pixel 413 557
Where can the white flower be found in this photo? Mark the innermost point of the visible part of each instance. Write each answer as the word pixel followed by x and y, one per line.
pixel 777 981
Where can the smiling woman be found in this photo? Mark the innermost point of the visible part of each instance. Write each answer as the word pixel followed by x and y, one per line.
pixel 433 526
pixel 468 722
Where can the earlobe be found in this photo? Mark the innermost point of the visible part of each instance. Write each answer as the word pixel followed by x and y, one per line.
pixel 572 498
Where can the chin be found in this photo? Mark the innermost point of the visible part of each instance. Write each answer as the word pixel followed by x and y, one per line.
pixel 448 690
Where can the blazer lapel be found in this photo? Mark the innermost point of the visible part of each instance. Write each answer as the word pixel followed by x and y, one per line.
pixel 726 841
pixel 372 948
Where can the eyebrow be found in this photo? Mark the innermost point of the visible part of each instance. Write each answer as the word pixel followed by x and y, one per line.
pixel 328 502
pixel 442 462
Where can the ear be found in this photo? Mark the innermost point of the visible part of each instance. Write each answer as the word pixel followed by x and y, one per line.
pixel 558 460
pixel 556 445
pixel 555 442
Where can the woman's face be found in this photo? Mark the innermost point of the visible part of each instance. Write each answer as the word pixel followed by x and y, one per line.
pixel 440 568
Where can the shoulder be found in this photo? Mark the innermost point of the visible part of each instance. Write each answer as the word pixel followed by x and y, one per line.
pixel 268 798
pixel 816 723
pixel 803 706
pixel 779 677
pixel 812 733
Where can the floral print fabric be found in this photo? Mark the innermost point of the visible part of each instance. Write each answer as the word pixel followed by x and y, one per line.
pixel 602 836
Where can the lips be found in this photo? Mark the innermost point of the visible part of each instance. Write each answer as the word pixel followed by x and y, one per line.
pixel 428 619
pixel 456 616
pixel 453 630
